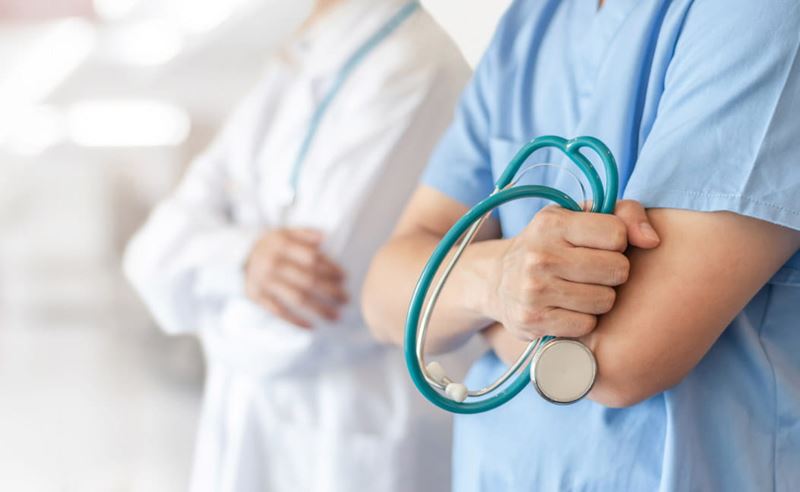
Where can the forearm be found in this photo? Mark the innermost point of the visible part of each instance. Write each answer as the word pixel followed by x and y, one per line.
pixel 174 262
pixel 677 301
pixel 460 310
pixel 638 353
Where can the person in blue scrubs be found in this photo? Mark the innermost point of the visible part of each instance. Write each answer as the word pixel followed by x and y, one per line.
pixel 694 315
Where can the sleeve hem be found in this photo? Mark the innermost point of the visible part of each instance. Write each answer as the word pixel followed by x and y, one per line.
pixel 226 276
pixel 711 202
pixel 454 189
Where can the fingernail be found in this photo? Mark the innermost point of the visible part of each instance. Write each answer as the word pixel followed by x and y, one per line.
pixel 648 231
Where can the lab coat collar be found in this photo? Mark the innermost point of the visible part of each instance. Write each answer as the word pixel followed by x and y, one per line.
pixel 326 45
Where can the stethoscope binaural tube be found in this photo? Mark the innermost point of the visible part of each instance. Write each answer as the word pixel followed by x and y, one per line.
pixel 555 380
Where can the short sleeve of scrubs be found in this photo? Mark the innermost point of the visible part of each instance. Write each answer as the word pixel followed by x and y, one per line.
pixel 727 134
pixel 460 164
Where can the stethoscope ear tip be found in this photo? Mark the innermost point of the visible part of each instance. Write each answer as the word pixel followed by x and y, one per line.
pixel 436 372
pixel 456 392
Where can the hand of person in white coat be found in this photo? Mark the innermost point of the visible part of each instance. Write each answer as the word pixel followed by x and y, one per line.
pixel 287 273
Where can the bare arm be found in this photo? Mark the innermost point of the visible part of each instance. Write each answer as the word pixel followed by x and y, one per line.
pixel 554 278
pixel 395 269
pixel 678 300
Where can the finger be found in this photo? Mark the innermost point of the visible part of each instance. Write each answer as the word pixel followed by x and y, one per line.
pixel 565 323
pixel 279 310
pixel 583 298
pixel 331 290
pixel 297 299
pixel 326 267
pixel 594 266
pixel 311 258
pixel 640 232
pixel 592 230
pixel 301 278
pixel 312 237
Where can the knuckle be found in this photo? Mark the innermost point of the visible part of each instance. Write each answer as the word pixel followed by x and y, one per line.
pixel 530 317
pixel 533 288
pixel 623 206
pixel 539 261
pixel 548 218
pixel 632 206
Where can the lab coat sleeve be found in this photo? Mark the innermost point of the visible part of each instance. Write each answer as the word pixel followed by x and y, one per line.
pixel 189 255
pixel 727 132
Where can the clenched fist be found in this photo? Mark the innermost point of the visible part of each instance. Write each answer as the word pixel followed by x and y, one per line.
pixel 559 273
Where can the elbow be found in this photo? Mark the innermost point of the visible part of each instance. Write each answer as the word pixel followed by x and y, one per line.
pixel 134 265
pixel 376 320
pixel 626 385
pixel 159 294
pixel 617 397
pixel 376 313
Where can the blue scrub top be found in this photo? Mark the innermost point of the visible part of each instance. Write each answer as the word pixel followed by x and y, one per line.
pixel 700 102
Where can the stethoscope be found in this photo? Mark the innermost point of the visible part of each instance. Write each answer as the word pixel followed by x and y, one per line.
pixel 288 196
pixel 562 370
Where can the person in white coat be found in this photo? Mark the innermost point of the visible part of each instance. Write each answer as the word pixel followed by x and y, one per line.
pixel 262 249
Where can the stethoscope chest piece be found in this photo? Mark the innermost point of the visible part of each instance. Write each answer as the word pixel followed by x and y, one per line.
pixel 563 370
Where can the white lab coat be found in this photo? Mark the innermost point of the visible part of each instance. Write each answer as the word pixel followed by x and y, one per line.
pixel 328 409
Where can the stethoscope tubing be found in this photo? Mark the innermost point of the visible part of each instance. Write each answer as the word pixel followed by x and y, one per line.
pixel 603 201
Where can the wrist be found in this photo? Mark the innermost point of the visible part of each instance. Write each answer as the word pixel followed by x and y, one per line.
pixel 483 268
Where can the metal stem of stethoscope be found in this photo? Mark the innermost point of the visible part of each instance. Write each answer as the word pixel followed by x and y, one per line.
pixel 428 311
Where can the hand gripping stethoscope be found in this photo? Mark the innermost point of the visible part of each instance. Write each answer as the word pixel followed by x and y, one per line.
pixel 561 369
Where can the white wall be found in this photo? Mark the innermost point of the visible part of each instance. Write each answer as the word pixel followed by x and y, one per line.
pixel 470 22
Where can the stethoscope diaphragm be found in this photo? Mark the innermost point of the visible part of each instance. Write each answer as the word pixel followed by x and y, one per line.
pixel 563 370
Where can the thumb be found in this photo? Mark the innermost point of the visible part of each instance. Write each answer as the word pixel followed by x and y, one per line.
pixel 640 232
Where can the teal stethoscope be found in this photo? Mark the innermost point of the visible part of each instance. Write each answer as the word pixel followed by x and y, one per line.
pixel 562 370
pixel 342 75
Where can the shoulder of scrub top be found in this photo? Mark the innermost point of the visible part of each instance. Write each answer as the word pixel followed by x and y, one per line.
pixel 751 19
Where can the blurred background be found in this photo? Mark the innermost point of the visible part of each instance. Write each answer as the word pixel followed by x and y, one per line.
pixel 102 105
